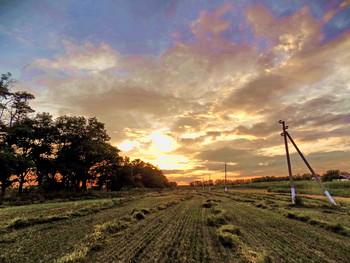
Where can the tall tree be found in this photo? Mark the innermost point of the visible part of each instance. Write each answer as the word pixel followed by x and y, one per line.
pixel 16 128
pixel 20 137
pixel 5 94
pixel 83 145
pixel 7 164
pixel 43 148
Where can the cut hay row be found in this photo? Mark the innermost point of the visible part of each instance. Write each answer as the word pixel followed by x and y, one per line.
pixel 134 240
pixel 200 226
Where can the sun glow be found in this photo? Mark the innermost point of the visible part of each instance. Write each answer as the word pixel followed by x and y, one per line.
pixel 172 162
pixel 162 142
pixel 127 145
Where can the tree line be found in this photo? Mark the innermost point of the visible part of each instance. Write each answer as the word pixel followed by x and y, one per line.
pixel 330 175
pixel 66 153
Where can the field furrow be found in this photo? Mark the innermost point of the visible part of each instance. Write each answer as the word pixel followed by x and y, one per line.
pixel 284 238
pixel 131 244
pixel 190 226
pixel 59 238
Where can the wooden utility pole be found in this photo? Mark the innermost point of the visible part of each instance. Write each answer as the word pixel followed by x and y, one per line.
pixel 225 174
pixel 287 135
pixel 284 134
pixel 318 180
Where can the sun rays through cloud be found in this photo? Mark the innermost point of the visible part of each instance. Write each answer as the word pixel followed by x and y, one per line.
pixel 191 85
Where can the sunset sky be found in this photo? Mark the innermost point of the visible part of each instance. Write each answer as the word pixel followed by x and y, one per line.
pixel 190 84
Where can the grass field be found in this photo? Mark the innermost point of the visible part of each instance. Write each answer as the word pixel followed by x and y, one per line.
pixel 185 225
pixel 336 188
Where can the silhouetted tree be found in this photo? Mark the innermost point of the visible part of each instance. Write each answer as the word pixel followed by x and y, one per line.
pixel 331 175
pixel 7 163
pixel 82 146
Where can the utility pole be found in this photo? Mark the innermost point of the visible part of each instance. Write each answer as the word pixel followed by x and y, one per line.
pixel 209 182
pixel 284 134
pixel 225 174
pixel 287 135
pixel 318 180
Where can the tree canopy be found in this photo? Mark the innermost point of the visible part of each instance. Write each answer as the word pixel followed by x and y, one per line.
pixel 69 152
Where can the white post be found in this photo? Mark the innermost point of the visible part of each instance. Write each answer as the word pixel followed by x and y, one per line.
pixel 330 198
pixel 293 194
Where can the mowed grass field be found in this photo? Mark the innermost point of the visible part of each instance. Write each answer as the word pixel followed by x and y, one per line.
pixel 336 188
pixel 184 225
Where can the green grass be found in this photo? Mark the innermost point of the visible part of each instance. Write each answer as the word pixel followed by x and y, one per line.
pixel 336 188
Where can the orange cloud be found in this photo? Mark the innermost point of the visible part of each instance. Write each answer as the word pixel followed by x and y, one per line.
pixel 212 99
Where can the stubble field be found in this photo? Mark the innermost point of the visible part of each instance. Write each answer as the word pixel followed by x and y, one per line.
pixel 179 226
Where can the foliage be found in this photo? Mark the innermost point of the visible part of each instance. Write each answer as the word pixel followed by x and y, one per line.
pixel 66 153
pixel 331 175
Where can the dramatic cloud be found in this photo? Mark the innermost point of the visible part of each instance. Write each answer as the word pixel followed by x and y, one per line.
pixel 215 92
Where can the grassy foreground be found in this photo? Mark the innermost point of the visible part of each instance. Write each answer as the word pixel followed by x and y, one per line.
pixel 180 226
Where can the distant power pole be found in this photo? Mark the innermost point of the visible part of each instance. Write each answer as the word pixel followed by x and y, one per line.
pixel 225 173
pixel 286 134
